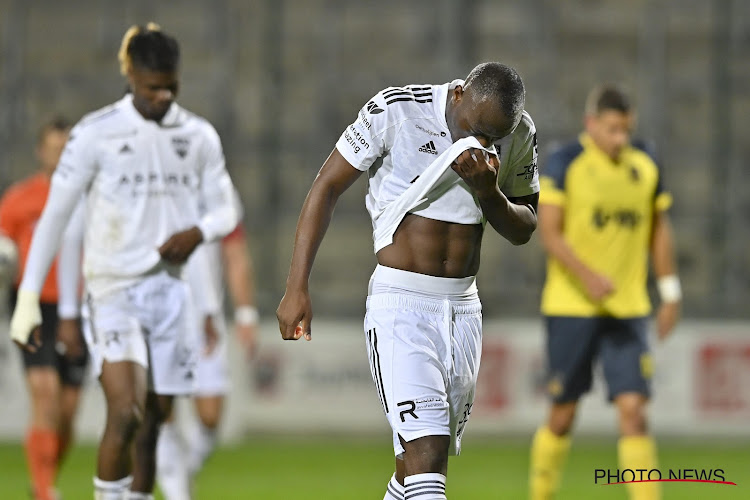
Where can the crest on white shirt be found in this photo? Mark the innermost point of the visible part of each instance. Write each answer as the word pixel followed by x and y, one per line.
pixel 181 145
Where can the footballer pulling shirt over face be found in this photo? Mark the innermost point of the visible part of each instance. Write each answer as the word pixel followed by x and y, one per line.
pixel 406 126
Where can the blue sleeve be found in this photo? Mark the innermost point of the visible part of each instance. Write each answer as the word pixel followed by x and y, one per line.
pixel 649 149
pixel 558 162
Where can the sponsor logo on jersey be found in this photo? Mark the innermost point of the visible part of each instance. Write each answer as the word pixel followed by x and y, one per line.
pixel 355 139
pixel 125 149
pixel 363 120
pixel 528 172
pixel 373 108
pixel 167 179
pixel 181 146
pixel 430 132
pixel 625 218
pixel 428 148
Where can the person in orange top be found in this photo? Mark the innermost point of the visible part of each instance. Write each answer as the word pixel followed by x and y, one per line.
pixel 56 370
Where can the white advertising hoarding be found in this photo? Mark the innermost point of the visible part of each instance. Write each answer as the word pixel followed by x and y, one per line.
pixel 701 385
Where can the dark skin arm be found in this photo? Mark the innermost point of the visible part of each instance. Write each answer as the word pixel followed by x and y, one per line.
pixel 179 246
pixel 515 220
pixel 295 310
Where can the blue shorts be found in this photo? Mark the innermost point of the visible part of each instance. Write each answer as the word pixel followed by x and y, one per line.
pixel 574 343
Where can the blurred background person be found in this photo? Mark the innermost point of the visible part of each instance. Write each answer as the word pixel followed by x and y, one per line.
pixel 602 212
pixel 55 371
pixel 180 457
pixel 156 186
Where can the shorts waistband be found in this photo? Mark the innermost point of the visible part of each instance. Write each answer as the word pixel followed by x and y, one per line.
pixel 413 302
pixel 432 286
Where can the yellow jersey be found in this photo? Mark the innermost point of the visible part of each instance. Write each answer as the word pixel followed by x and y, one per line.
pixel 608 210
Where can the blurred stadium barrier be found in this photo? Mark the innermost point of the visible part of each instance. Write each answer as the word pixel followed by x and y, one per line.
pixel 701 385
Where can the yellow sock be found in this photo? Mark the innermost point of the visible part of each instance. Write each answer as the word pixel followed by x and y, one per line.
pixel 639 452
pixel 548 454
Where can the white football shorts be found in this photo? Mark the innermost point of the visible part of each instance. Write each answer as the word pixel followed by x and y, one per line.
pixel 424 342
pixel 211 370
pixel 150 323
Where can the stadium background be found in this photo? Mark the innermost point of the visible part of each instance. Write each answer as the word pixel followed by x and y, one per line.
pixel 280 79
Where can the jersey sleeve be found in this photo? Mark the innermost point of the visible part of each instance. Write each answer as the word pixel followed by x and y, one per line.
pixel 69 264
pixel 217 191
pixel 73 175
pixel 552 177
pixel 78 166
pixel 365 140
pixel 523 178
pixel 48 234
pixel 662 197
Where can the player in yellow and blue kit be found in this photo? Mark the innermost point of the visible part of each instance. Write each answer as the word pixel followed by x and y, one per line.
pixel 602 212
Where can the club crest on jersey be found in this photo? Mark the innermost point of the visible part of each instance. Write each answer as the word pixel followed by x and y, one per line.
pixel 373 108
pixel 634 175
pixel 181 146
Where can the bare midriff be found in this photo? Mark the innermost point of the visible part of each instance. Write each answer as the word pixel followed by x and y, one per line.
pixel 434 247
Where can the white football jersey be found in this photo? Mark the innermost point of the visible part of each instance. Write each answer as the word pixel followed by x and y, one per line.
pixel 406 127
pixel 144 181
pixel 208 284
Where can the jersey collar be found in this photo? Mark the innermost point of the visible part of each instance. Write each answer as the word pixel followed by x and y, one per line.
pixel 440 99
pixel 171 118
pixel 588 144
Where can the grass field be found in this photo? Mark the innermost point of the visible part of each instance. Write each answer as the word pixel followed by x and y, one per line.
pixel 346 469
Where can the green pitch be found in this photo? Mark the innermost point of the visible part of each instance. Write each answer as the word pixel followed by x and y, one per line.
pixel 337 468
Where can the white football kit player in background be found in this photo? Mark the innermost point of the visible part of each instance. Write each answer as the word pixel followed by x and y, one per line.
pixel 146 167
pixel 142 183
pixel 439 182
pixel 182 450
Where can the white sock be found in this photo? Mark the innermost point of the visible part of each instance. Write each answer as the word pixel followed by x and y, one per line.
pixel 171 464
pixel 112 490
pixel 394 491
pixel 137 495
pixel 201 444
pixel 430 486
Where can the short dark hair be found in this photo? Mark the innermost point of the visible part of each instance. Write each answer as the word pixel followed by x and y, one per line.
pixel 607 97
pixel 501 83
pixel 58 123
pixel 148 48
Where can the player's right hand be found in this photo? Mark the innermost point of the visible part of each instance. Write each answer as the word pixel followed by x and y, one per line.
pixel 180 246
pixel 295 315
pixel 598 286
pixel 478 169
pixel 27 317
pixel 69 337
